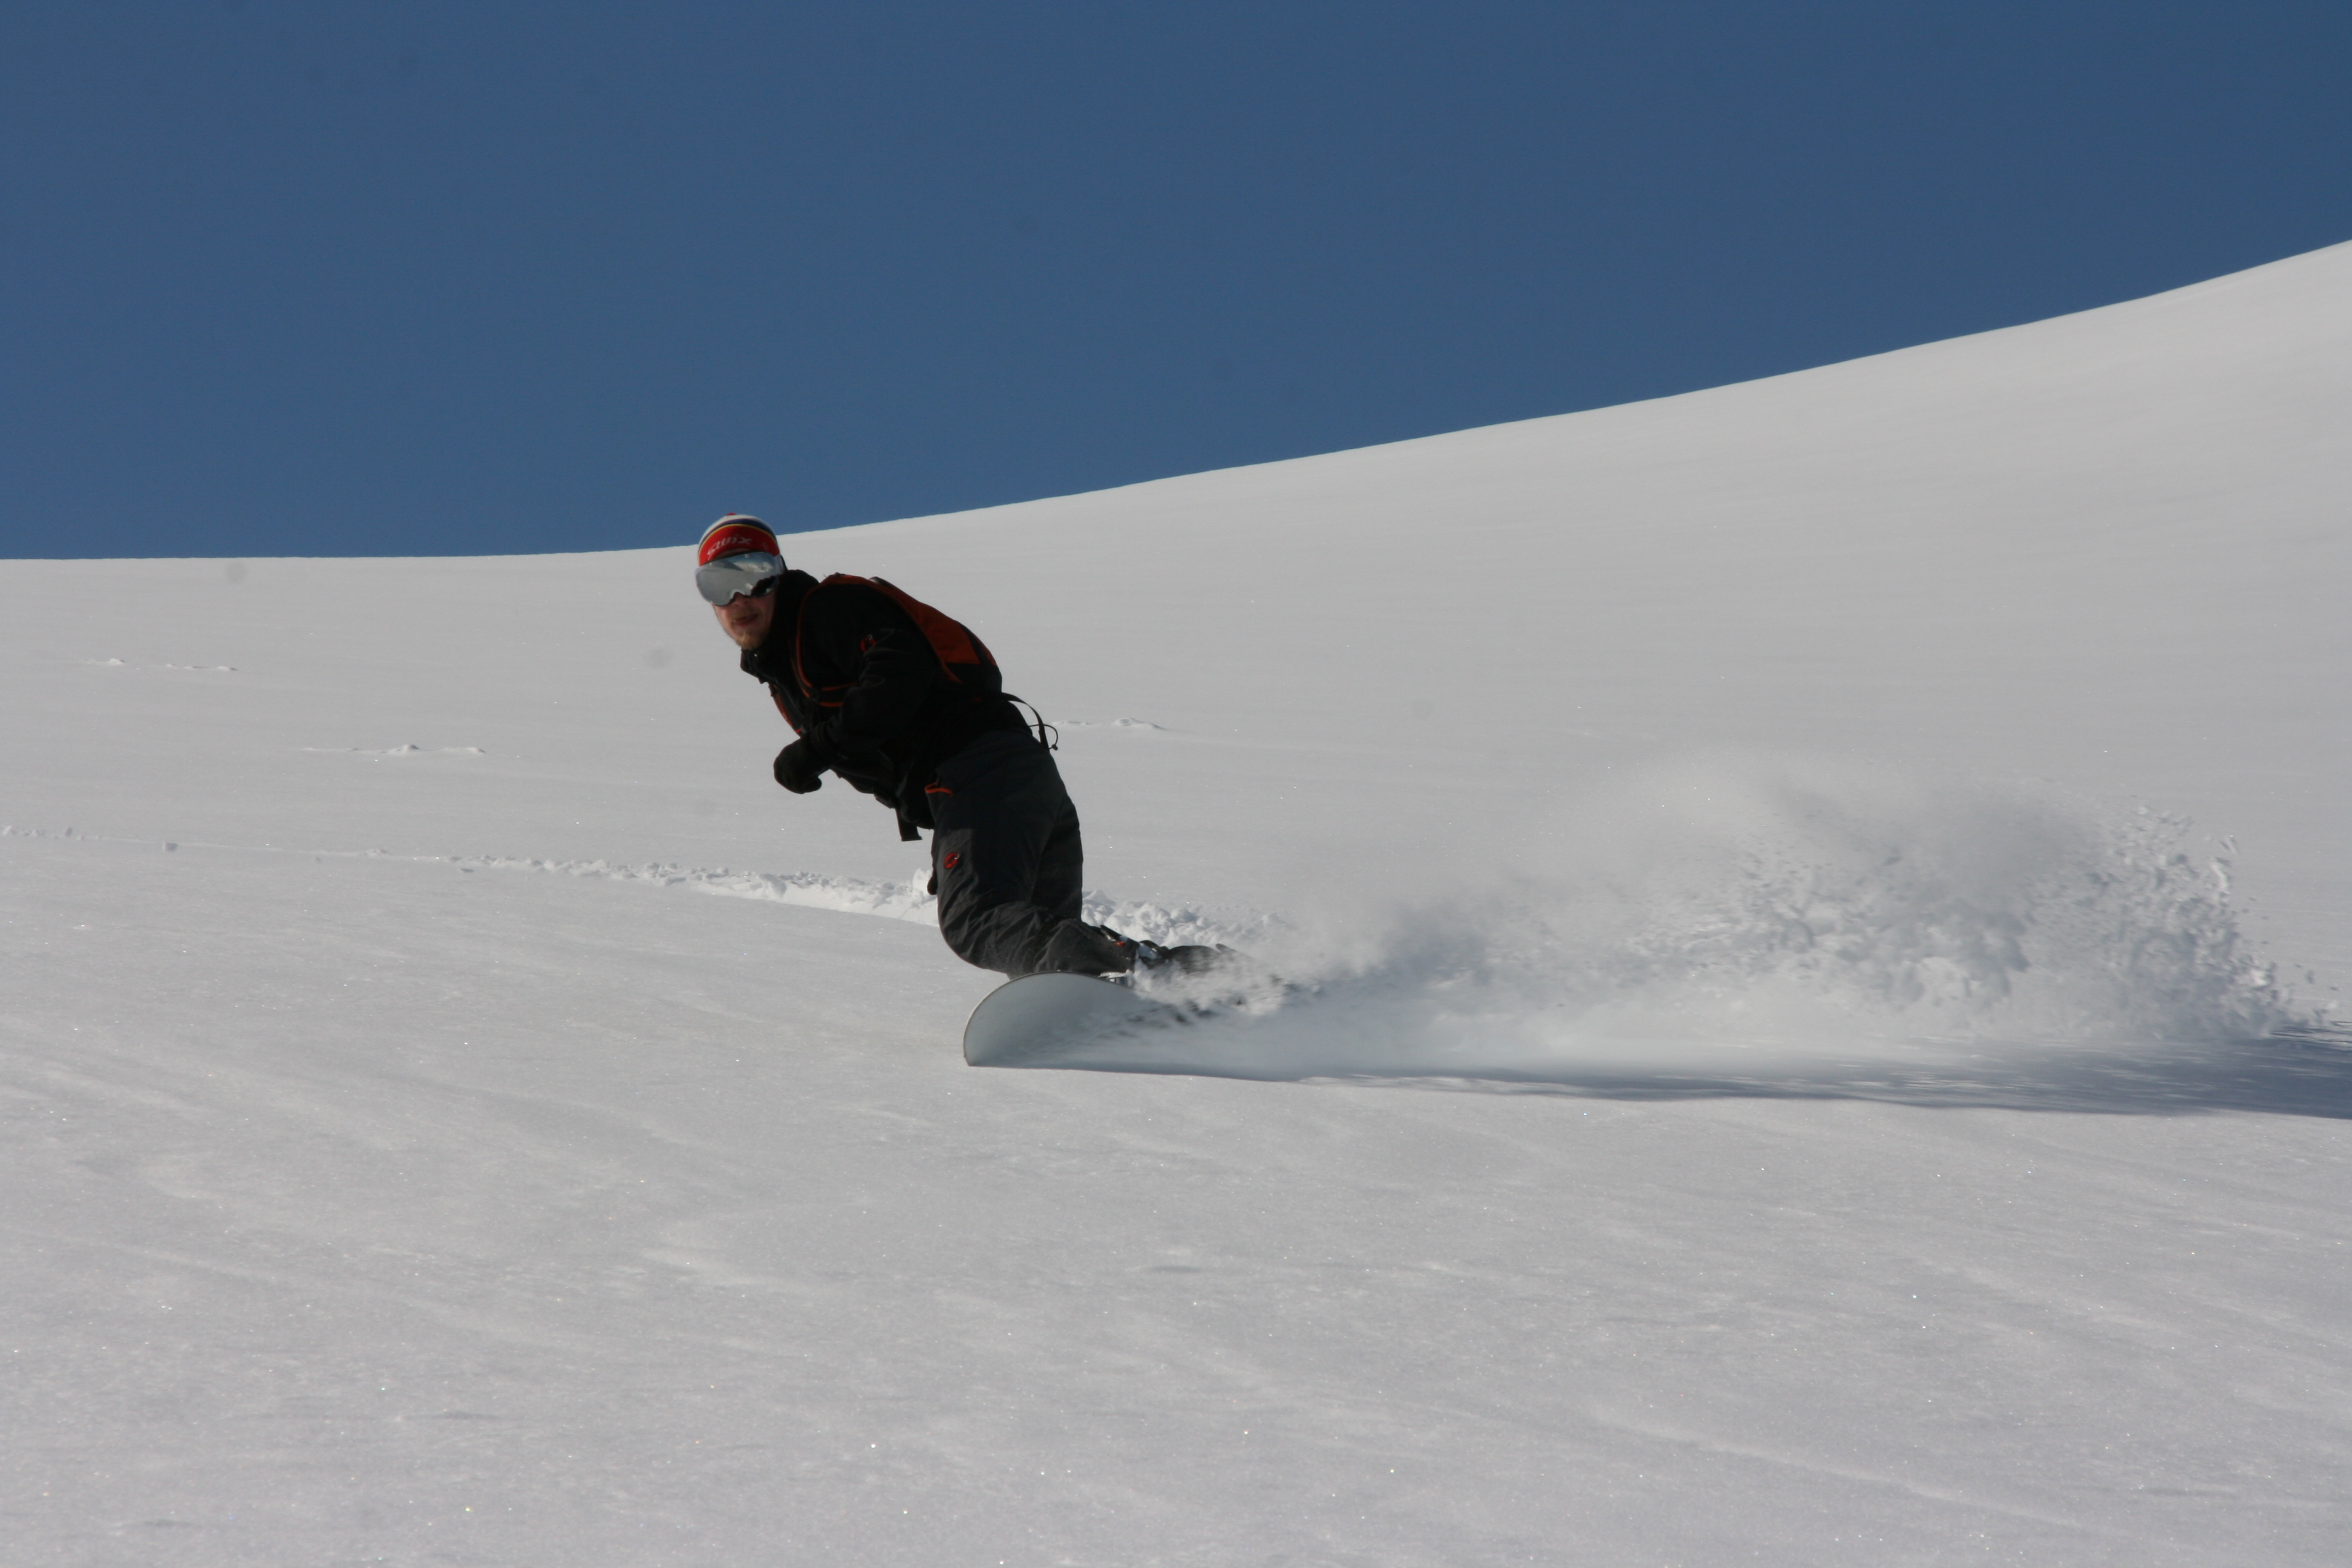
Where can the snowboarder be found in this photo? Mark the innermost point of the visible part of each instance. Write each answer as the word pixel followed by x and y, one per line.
pixel 905 704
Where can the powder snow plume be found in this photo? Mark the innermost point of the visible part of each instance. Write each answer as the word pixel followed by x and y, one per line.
pixel 1777 905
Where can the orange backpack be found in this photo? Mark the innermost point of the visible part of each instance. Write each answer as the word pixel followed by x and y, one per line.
pixel 963 657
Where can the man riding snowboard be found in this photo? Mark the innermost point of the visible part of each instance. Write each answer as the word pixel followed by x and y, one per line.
pixel 907 705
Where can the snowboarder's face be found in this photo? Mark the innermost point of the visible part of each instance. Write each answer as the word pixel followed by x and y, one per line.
pixel 746 617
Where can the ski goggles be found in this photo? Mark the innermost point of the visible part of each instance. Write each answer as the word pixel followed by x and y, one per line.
pixel 732 576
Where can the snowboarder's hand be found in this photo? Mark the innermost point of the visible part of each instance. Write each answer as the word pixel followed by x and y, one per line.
pixel 798 769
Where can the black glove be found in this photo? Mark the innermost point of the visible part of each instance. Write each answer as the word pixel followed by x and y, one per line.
pixel 798 767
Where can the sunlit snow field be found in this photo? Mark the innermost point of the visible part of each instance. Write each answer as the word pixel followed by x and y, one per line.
pixel 1816 913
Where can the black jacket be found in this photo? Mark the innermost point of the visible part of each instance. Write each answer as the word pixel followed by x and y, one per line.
pixel 895 717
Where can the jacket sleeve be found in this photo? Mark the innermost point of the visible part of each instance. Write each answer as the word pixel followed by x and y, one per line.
pixel 891 669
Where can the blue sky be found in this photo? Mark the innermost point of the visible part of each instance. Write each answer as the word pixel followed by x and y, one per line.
pixel 419 279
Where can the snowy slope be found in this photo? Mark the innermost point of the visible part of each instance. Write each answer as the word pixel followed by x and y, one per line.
pixel 1783 1087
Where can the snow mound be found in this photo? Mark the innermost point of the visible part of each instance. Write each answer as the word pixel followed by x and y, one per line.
pixel 848 895
pixel 1175 925
pixel 906 901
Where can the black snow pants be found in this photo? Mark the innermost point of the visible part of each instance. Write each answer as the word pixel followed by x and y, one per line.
pixel 1006 862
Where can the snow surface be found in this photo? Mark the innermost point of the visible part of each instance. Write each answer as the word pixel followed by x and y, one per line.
pixel 1816 909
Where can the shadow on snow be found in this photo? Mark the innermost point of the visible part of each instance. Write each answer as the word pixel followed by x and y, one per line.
pixel 2305 1072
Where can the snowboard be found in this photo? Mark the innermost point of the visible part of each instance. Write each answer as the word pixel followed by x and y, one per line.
pixel 1031 1018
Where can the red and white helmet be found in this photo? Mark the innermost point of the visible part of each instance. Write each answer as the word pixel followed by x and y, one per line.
pixel 739 555
pixel 737 533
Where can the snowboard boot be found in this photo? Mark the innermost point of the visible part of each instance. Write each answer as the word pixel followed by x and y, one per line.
pixel 1150 958
pixel 1098 949
pixel 1077 948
